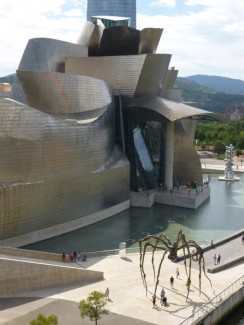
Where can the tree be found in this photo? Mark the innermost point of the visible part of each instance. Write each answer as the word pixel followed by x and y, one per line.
pixel 92 307
pixel 219 148
pixel 238 152
pixel 43 320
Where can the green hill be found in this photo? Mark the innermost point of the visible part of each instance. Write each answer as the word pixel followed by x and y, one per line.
pixel 206 97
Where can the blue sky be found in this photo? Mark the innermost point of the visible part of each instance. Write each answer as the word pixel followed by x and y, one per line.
pixel 203 36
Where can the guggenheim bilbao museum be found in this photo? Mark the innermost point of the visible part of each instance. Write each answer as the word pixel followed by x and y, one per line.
pixel 87 125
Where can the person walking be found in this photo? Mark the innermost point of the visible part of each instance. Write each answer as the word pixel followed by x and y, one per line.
pixel 215 259
pixel 107 294
pixel 164 301
pixel 177 272
pixel 162 292
pixel 63 257
pixel 218 259
pixel 171 281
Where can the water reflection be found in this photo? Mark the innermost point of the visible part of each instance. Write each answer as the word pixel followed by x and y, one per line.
pixel 221 215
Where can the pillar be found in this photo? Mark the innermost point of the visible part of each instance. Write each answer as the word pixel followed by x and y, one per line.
pixel 169 155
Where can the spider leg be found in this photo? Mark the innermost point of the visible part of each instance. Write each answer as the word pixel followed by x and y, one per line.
pixel 159 270
pixel 143 250
pixel 159 239
pixel 183 247
pixel 189 276
pixel 201 265
pixel 142 258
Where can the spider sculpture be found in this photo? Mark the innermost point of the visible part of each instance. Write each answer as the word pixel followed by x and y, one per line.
pixel 164 244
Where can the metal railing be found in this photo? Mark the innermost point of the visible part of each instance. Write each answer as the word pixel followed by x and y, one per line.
pixel 212 304
pixel 133 250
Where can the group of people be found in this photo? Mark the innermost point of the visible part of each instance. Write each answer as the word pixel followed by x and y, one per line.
pixel 217 259
pixel 74 256
pixel 163 297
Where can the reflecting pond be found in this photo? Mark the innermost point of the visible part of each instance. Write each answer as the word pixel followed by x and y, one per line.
pixel 219 216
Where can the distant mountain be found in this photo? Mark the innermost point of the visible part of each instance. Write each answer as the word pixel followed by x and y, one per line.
pixel 207 98
pixel 219 84
pixel 8 79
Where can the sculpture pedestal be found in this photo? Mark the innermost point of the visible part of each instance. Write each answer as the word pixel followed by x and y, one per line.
pixel 235 179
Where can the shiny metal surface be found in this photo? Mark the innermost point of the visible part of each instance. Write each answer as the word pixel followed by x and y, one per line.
pixel 187 166
pixel 149 39
pixel 170 79
pixel 120 72
pixel 5 87
pixel 86 33
pixel 45 54
pixel 59 93
pixel 52 172
pixel 95 41
pixel 152 75
pixel 172 111
pixel 130 76
pixel 60 155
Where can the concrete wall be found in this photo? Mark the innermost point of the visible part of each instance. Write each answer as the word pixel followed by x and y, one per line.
pixel 24 253
pixel 147 198
pixel 223 309
pixel 18 276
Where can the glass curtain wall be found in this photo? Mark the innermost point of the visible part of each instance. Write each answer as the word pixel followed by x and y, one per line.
pixel 145 148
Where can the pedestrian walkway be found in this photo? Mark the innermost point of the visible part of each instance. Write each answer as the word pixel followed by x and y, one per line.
pixel 128 303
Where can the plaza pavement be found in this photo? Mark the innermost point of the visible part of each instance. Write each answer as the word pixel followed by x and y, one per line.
pixel 128 302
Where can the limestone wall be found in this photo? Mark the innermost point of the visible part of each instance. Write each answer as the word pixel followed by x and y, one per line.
pixel 18 276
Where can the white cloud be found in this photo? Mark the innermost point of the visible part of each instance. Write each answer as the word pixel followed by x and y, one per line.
pixel 208 40
pixel 164 3
pixel 203 37
pixel 26 19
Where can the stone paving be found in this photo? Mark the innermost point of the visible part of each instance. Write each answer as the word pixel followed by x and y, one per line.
pixel 128 302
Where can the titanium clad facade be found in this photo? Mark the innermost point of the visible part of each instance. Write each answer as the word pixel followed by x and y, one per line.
pixel 53 171
pixel 91 129
pixel 121 8
pixel 45 54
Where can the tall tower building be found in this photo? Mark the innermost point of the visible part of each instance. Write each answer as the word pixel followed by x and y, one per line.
pixel 120 8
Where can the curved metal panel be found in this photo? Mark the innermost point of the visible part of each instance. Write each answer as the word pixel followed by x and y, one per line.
pixel 187 165
pixel 45 54
pixel 119 40
pixel 86 34
pixel 133 75
pixel 152 75
pixel 120 72
pixel 165 108
pixel 170 79
pixel 95 41
pixel 149 39
pixel 58 93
